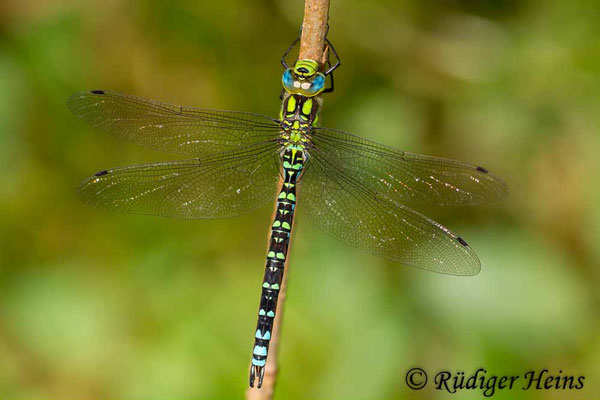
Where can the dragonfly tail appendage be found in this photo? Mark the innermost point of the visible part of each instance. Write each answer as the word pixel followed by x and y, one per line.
pixel 257 372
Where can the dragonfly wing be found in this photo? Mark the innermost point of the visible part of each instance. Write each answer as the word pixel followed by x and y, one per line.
pixel 218 186
pixel 342 207
pixel 171 128
pixel 406 177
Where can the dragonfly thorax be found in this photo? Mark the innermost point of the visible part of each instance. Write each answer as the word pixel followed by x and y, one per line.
pixel 304 110
pixel 298 115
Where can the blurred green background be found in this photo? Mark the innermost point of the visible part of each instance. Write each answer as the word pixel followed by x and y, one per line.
pixel 100 305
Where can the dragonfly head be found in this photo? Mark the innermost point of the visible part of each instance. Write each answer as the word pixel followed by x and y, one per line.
pixel 304 78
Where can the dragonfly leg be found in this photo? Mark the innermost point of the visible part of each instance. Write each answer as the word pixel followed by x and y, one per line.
pixel 338 61
pixel 283 62
pixel 330 88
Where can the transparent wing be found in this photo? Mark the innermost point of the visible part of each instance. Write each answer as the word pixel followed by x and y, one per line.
pixel 340 205
pixel 218 186
pixel 406 177
pixel 171 128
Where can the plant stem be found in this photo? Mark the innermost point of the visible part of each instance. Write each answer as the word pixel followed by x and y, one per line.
pixel 312 46
pixel 314 30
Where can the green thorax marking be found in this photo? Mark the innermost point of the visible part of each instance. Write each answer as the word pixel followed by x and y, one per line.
pixel 298 114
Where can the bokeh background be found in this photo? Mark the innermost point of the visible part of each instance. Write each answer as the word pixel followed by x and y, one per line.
pixel 100 305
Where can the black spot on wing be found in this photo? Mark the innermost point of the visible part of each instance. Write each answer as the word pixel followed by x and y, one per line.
pixel 101 173
pixel 462 241
pixel 97 91
pixel 481 169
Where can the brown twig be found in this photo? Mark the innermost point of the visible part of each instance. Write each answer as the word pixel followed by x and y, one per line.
pixel 314 30
pixel 312 46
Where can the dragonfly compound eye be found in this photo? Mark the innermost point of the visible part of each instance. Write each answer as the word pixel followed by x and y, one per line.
pixel 314 86
pixel 290 84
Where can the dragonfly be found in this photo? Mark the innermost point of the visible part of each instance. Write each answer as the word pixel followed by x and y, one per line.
pixel 358 191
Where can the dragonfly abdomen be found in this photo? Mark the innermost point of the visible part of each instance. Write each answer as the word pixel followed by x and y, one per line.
pixel 293 162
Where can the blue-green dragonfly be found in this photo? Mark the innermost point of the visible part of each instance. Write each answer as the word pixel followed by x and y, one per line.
pixel 354 189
